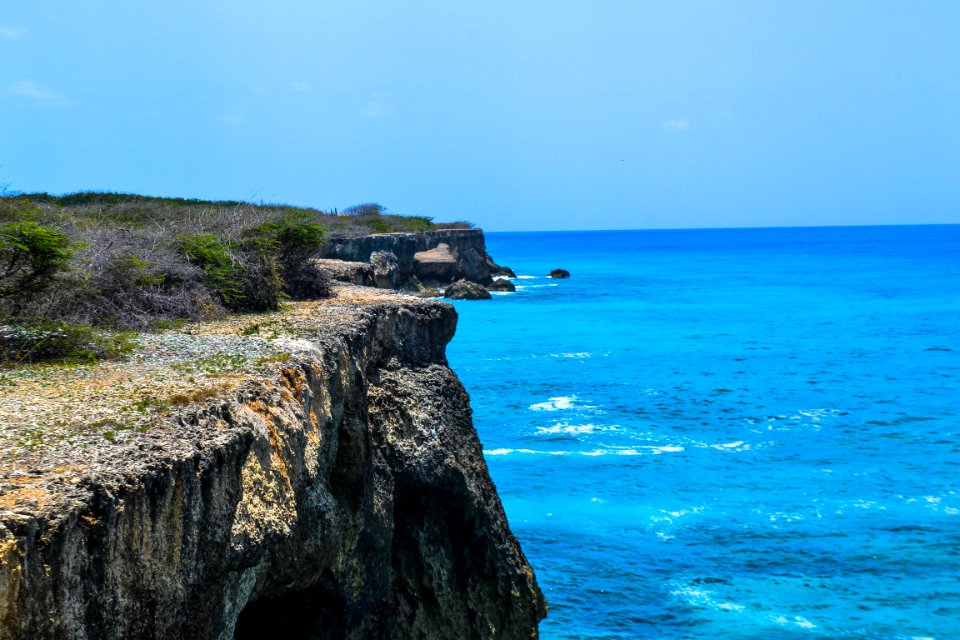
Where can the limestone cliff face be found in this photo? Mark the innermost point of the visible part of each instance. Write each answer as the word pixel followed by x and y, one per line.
pixel 345 498
pixel 467 246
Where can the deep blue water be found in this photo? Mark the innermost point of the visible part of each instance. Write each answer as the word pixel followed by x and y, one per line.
pixel 728 433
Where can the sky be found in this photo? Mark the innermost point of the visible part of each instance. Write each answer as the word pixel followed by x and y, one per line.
pixel 514 114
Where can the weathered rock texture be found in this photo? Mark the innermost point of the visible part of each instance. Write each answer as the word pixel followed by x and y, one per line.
pixel 437 265
pixel 464 290
pixel 359 273
pixel 465 256
pixel 346 498
pixel 501 284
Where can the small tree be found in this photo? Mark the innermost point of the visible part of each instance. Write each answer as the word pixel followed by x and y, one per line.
pixel 30 256
pixel 294 240
pixel 365 209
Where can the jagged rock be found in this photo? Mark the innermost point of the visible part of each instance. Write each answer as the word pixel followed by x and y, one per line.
pixel 359 273
pixel 385 266
pixel 467 245
pixel 559 273
pixel 473 265
pixel 343 497
pixel 501 284
pixel 436 265
pixel 497 270
pixel 465 290
pixel 428 292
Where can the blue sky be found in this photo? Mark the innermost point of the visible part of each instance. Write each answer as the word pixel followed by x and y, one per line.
pixel 518 115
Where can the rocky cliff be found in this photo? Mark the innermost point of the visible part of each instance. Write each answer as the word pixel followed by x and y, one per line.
pixel 344 496
pixel 462 255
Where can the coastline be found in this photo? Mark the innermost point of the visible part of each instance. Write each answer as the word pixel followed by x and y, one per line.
pixel 341 476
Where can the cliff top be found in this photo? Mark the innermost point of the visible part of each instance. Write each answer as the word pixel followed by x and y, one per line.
pixel 136 210
pixel 80 263
pixel 60 423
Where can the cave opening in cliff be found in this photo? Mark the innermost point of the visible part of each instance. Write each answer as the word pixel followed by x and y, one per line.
pixel 314 613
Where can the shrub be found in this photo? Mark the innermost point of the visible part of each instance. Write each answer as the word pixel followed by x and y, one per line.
pixel 131 261
pixel 245 274
pixel 35 340
pixel 459 224
pixel 365 209
pixel 212 255
pixel 378 225
pixel 30 256
pixel 295 238
pixel 418 223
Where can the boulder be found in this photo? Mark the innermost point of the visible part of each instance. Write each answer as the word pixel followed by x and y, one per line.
pixel 473 265
pixel 384 265
pixel 360 273
pixel 559 273
pixel 498 270
pixel 501 284
pixel 428 292
pixel 436 265
pixel 464 290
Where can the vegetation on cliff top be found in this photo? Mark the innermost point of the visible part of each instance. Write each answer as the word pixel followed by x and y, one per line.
pixel 118 262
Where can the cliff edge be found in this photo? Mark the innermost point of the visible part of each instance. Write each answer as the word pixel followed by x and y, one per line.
pixel 409 260
pixel 337 491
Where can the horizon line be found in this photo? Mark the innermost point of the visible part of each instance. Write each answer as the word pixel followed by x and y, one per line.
pixel 798 226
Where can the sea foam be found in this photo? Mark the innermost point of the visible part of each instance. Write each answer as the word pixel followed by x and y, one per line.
pixel 554 404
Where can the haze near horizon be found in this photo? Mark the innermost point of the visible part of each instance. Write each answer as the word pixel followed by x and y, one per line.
pixel 518 116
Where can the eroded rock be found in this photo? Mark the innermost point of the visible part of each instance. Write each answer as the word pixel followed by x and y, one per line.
pixel 465 290
pixel 359 273
pixel 385 269
pixel 437 265
pixel 346 497
pixel 501 284
pixel 468 247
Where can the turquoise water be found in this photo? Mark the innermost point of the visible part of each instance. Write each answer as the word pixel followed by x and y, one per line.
pixel 728 433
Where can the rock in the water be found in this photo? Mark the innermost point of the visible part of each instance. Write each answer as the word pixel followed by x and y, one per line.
pixel 464 290
pixel 436 265
pixel 559 273
pixel 499 270
pixel 501 284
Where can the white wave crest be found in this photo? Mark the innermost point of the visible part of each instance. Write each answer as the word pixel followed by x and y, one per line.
pixel 554 404
pixel 572 429
pixel 591 453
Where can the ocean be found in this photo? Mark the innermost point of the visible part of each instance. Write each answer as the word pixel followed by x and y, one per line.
pixel 746 433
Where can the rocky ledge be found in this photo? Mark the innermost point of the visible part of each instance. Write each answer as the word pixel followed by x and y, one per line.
pixel 341 492
pixel 418 260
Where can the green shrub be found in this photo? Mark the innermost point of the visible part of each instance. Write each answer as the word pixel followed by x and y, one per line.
pixel 245 274
pixel 30 256
pixel 36 340
pixel 132 261
pixel 213 255
pixel 365 209
pixel 294 239
pixel 418 223
pixel 379 225
pixel 294 236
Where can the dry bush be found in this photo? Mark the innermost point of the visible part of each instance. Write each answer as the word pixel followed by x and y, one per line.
pixel 130 263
